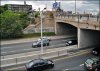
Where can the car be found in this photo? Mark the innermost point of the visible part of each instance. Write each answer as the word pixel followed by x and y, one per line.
pixel 44 38
pixel 71 42
pixel 92 64
pixel 39 65
pixel 96 51
pixel 38 43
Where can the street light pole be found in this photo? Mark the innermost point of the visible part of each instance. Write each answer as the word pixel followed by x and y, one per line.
pixel 41 33
pixel 41 16
pixel 75 6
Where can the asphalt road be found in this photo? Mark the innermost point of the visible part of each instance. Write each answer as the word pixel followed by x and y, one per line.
pixel 74 62
pixel 27 46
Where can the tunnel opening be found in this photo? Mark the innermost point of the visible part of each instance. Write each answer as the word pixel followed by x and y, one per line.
pixel 66 29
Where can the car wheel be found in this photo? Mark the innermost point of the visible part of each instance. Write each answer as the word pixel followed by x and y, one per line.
pixel 47 44
pixel 51 66
pixel 35 46
pixel 32 46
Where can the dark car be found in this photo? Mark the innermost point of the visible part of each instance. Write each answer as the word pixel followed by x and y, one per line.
pixel 92 64
pixel 96 51
pixel 39 65
pixel 38 43
pixel 71 42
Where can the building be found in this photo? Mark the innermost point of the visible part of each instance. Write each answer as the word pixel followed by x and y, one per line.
pixel 19 8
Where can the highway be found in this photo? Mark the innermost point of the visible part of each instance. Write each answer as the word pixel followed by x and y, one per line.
pixel 27 46
pixel 72 62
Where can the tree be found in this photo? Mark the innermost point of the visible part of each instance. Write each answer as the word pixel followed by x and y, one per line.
pixel 37 14
pixel 10 26
pixel 24 20
pixel 3 8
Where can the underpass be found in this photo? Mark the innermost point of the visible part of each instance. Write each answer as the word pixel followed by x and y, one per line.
pixel 87 29
pixel 65 29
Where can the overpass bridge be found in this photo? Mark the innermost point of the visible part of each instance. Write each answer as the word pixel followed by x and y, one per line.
pixel 85 27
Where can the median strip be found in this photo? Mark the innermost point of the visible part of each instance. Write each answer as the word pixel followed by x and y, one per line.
pixel 82 52
pixel 73 55
pixel 35 52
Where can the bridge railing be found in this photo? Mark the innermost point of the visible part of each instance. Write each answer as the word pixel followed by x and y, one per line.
pixel 78 17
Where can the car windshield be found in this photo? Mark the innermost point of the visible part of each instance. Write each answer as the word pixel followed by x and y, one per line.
pixel 30 63
pixel 42 38
pixel 97 48
pixel 37 60
pixel 35 41
pixel 33 62
pixel 89 61
pixel 69 41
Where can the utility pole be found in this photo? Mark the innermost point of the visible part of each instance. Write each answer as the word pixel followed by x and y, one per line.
pixel 41 31
pixel 75 6
pixel 41 16
pixel 55 1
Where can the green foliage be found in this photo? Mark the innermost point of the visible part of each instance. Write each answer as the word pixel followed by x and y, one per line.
pixel 3 8
pixel 23 19
pixel 12 24
pixel 37 14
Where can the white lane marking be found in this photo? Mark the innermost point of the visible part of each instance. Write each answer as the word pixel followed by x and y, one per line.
pixel 28 49
pixel 81 64
pixel 6 47
pixel 7 52
pixel 17 50
pixel 65 69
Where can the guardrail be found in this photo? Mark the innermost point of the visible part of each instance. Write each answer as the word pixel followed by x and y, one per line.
pixel 89 21
pixel 45 55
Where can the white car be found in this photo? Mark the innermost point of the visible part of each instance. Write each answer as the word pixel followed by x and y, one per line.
pixel 38 43
pixel 44 38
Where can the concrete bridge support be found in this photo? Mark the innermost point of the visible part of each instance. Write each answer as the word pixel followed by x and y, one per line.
pixel 88 38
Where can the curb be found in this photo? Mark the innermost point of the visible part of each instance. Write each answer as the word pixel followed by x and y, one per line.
pixel 53 58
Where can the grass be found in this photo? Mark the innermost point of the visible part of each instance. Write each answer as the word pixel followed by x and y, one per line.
pixel 38 34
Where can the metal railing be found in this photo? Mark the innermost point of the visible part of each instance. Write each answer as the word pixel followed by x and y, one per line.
pixel 78 16
pixel 89 21
pixel 27 58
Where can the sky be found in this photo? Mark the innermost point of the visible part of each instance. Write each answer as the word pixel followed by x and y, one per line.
pixel 87 6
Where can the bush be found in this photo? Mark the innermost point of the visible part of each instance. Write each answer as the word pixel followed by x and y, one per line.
pixel 12 24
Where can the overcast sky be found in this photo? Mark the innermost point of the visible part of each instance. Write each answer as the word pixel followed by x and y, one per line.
pixel 89 6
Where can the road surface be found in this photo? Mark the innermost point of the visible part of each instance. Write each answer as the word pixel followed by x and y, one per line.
pixel 27 46
pixel 73 62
